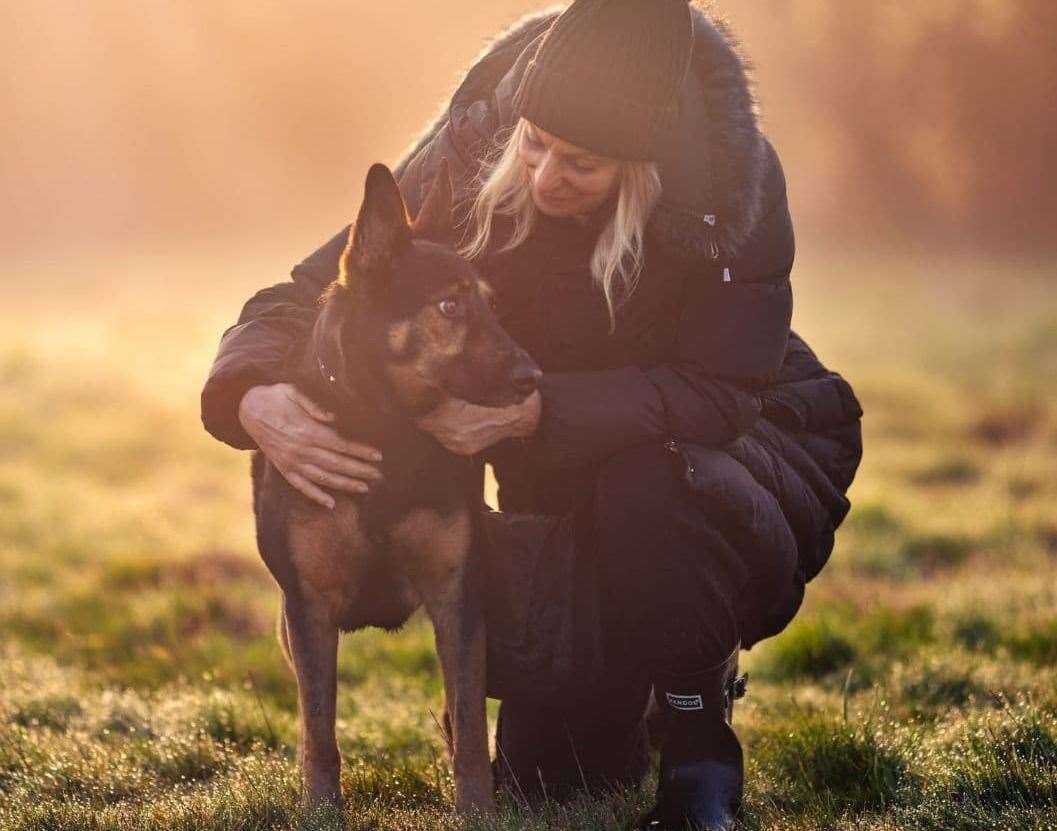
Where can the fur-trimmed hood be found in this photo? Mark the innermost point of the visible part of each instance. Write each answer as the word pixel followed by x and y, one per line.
pixel 713 166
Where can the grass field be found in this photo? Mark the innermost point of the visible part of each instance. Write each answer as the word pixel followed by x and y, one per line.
pixel 142 687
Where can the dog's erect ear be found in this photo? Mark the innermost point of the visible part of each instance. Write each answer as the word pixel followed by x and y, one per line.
pixel 381 230
pixel 434 217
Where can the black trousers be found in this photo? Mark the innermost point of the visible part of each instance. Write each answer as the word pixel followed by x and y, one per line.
pixel 681 582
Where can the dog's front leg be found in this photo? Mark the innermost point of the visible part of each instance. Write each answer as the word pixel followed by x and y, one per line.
pixel 459 628
pixel 439 559
pixel 313 641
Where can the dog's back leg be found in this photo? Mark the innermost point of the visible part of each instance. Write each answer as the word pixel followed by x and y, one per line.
pixel 313 642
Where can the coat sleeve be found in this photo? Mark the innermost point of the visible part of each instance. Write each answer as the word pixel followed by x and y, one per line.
pixel 731 341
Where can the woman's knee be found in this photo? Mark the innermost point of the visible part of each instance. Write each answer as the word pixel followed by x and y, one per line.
pixel 725 518
pixel 649 482
pixel 636 486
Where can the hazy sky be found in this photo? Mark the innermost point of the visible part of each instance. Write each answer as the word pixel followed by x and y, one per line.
pixel 169 122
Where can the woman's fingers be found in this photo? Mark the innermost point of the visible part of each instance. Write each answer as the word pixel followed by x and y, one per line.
pixel 329 439
pixel 292 432
pixel 337 463
pixel 308 405
pixel 309 490
pixel 329 479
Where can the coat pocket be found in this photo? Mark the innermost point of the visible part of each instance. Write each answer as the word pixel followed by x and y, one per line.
pixel 748 528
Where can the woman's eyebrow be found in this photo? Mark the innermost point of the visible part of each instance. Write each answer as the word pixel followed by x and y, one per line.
pixel 581 155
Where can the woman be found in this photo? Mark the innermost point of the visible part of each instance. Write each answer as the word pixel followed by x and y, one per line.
pixel 615 190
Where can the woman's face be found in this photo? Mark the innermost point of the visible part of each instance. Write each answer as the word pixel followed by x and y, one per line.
pixel 566 180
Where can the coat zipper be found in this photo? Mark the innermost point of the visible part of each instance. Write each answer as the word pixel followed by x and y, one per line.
pixel 708 219
pixel 713 248
pixel 672 446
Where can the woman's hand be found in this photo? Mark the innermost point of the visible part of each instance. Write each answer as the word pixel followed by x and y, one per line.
pixel 291 430
pixel 465 428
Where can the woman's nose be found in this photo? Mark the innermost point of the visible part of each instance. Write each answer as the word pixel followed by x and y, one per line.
pixel 548 174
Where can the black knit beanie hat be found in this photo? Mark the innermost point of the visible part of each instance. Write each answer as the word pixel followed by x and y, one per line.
pixel 606 75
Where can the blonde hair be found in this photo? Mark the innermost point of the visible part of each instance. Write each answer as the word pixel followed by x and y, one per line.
pixel 617 260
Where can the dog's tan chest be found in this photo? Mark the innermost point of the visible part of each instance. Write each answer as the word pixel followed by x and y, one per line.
pixel 357 580
pixel 435 545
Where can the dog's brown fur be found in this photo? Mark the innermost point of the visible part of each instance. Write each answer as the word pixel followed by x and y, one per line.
pixel 387 346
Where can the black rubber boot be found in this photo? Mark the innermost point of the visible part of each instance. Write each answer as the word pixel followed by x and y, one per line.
pixel 702 776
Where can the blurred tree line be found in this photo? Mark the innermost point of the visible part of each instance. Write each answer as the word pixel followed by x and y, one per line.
pixel 163 123
pixel 933 119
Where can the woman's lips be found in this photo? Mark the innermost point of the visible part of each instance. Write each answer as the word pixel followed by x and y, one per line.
pixel 557 200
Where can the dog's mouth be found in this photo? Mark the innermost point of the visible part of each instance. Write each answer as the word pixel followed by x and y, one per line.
pixel 500 399
pixel 496 398
pixel 512 389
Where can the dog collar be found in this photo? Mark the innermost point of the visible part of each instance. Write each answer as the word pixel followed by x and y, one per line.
pixel 328 376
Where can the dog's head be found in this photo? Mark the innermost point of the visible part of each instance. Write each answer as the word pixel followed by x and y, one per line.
pixel 405 305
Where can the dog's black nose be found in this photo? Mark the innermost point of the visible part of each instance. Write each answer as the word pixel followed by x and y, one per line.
pixel 525 377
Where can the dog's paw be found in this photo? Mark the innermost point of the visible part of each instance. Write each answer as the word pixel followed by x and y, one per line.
pixel 480 803
pixel 323 815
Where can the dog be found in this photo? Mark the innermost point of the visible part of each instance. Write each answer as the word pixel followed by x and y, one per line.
pixel 406 325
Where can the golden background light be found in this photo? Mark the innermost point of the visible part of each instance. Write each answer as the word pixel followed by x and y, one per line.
pixel 151 125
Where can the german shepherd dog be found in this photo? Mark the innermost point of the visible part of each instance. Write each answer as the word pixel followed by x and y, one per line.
pixel 406 325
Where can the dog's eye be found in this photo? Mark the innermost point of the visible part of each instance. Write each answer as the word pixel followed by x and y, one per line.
pixel 450 307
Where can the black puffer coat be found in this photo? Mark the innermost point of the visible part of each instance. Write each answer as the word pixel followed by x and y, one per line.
pixel 702 357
